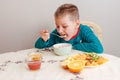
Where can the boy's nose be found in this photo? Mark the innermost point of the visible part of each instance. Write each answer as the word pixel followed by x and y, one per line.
pixel 60 30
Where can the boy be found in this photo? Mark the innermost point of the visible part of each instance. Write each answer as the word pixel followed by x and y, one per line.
pixel 68 25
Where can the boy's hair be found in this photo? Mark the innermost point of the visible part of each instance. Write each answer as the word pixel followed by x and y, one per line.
pixel 68 9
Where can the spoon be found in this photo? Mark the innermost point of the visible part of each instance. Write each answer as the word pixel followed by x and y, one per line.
pixel 58 35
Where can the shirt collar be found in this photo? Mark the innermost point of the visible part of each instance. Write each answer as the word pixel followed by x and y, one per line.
pixel 74 36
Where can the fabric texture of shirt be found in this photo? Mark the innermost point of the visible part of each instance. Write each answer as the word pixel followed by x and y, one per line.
pixel 85 41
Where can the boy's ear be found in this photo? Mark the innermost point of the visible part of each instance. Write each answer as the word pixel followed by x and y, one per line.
pixel 77 23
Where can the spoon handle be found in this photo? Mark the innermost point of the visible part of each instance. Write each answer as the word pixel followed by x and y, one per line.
pixel 56 35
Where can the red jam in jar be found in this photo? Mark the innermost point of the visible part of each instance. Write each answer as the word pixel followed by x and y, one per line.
pixel 34 61
pixel 34 65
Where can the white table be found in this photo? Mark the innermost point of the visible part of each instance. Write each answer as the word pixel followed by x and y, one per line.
pixel 12 67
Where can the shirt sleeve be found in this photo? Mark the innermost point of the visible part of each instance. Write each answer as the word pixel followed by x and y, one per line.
pixel 89 43
pixel 40 43
pixel 51 41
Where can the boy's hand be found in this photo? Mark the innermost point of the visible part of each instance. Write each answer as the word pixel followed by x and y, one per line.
pixel 45 35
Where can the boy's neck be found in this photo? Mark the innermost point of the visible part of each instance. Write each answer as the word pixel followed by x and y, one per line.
pixel 76 33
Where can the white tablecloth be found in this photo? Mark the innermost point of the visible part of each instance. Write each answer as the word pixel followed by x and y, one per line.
pixel 13 67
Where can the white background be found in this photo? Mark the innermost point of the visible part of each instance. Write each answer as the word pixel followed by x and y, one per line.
pixel 21 21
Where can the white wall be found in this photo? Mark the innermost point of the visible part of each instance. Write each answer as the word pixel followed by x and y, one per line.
pixel 21 20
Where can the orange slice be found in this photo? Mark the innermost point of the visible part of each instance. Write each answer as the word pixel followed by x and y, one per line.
pixel 76 65
pixel 79 57
pixel 35 56
pixel 70 58
pixel 102 60
pixel 66 61
pixel 64 64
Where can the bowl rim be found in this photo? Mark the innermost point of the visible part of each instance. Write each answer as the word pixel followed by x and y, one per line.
pixel 59 44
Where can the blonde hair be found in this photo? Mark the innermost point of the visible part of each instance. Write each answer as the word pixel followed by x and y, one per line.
pixel 67 9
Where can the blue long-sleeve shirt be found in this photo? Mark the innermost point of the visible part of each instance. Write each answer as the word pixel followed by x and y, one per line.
pixel 86 41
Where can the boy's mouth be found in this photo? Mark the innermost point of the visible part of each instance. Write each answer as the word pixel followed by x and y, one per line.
pixel 63 35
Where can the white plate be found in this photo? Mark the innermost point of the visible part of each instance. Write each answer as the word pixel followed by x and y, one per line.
pixel 92 66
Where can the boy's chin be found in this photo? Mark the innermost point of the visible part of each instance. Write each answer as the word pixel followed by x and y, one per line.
pixel 66 39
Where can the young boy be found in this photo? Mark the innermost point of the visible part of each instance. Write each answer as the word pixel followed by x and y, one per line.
pixel 68 25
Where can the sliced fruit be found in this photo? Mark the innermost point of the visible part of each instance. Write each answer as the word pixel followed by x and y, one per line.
pixel 66 61
pixel 79 56
pixel 88 63
pixel 102 60
pixel 65 64
pixel 76 65
pixel 70 58
pixel 35 56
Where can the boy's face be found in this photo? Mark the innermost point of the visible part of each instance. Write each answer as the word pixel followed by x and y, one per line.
pixel 66 27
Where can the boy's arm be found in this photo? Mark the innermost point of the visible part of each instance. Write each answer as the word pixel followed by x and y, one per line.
pixel 90 43
pixel 40 43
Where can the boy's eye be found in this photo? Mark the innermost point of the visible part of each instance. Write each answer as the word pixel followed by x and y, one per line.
pixel 64 26
pixel 57 27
